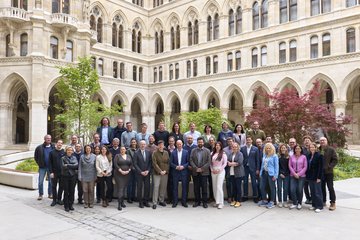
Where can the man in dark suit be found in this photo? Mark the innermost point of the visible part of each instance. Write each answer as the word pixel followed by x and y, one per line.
pixel 252 168
pixel 179 162
pixel 200 162
pixel 142 164
pixel 105 131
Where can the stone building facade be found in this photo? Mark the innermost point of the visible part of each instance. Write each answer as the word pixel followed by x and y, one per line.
pixel 161 57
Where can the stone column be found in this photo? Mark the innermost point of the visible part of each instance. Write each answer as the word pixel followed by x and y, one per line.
pixel 224 112
pixel 6 110
pixel 340 107
pixel 127 115
pixel 247 110
pixel 202 31
pixel 247 19
pixel 183 37
pixel 149 119
pixel 273 13
pixel 37 123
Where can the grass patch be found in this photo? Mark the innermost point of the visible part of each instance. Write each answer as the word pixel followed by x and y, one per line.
pixel 347 167
pixel 28 165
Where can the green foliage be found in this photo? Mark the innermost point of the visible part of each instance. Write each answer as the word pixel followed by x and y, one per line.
pixel 28 165
pixel 347 167
pixel 211 116
pixel 76 88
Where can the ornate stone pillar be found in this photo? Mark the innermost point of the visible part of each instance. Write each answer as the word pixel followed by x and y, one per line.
pixel 6 110
pixel 37 122
pixel 149 119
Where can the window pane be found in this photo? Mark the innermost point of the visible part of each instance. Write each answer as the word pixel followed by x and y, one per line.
pixel 190 34
pixel 216 26
pixel 54 47
pixel 282 52
pixel 283 11
pixel 115 69
pixel 229 62
pixel 314 47
pixel 293 10
pixel 231 23
pixel 350 40
pixel 238 60
pixel 238 21
pixel 23 44
pixel 208 64
pixel 254 59
pixel 255 12
pixel 263 56
pixel 188 69
pixel 350 3
pixel 292 51
pixel 215 64
pixel 315 7
pixel 326 45
pixel 326 6
pixel 264 14
pixel 69 51
pixel 195 68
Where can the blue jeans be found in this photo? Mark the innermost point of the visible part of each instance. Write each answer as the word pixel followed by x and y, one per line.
pixel 253 182
pixel 283 184
pixel 267 179
pixel 236 187
pixel 297 187
pixel 316 194
pixel 42 173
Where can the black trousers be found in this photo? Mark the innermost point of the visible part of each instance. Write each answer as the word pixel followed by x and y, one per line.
pixel 56 181
pixel 105 193
pixel 307 190
pixel 69 190
pixel 79 189
pixel 143 182
pixel 329 182
pixel 200 188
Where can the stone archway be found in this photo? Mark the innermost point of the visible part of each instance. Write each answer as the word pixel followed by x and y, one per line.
pixel 54 127
pixel 353 109
pixel 136 117
pixel 159 114
pixel 21 118
pixel 259 99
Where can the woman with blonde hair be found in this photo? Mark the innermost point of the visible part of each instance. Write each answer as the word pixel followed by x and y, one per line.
pixel 104 170
pixel 268 174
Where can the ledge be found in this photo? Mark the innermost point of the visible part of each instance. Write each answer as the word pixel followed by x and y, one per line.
pixel 19 178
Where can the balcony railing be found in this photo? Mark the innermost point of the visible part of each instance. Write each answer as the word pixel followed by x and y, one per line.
pixel 62 19
pixel 12 13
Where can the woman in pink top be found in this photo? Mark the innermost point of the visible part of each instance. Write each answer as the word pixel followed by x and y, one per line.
pixel 297 167
pixel 217 167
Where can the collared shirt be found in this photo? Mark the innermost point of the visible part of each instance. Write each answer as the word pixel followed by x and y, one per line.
pixel 104 135
pixel 143 154
pixel 248 150
pixel 194 134
pixel 179 153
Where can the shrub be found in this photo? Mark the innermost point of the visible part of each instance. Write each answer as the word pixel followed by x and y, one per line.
pixel 28 165
pixel 347 167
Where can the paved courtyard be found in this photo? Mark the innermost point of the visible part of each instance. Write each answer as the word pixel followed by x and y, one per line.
pixel 23 217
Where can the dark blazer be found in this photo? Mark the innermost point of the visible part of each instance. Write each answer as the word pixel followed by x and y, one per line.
pixel 239 170
pixel 110 133
pixel 252 160
pixel 330 159
pixel 39 155
pixel 315 168
pixel 55 161
pixel 139 164
pixel 174 162
pixel 204 164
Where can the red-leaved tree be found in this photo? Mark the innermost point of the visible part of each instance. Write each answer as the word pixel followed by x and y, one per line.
pixel 290 115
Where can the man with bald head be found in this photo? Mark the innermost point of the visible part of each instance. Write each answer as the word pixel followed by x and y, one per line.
pixel 179 162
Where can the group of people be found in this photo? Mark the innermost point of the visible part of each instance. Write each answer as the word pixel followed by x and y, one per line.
pixel 121 163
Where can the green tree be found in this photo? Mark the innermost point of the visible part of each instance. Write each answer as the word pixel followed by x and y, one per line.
pixel 76 88
pixel 211 116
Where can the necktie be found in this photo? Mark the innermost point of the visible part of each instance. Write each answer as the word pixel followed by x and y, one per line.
pixel 143 153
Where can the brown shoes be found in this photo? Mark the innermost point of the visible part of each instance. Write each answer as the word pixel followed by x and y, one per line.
pixel 332 206
pixel 40 197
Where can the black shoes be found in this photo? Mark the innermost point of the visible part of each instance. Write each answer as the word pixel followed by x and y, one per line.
pixel 256 200
pixel 154 206
pixel 53 203
pixel 59 202
pixel 184 205
pixel 71 208
pixel 244 199
pixel 80 201
pixel 123 204
pixel 205 205
pixel 146 204
pixel 162 204
pixel 67 209
pixel 141 205
pixel 196 204
pixel 174 205
pixel 119 207
pixel 129 201
pixel 98 200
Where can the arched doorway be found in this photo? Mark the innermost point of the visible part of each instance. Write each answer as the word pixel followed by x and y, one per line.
pixel 54 128
pixel 193 104
pixel 353 109
pixel 259 99
pixel 159 115
pixel 21 117
pixel 235 114
pixel 136 117
pixel 119 104
pixel 213 101
pixel 175 110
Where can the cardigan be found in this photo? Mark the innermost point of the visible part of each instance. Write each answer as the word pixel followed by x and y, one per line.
pixel 298 165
